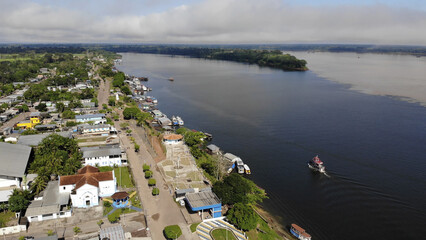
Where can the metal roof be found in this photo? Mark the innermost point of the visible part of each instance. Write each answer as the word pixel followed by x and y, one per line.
pixel 101 152
pixel 51 202
pixel 34 140
pixel 112 233
pixel 213 147
pixel 202 199
pixel 86 126
pixel 14 159
pixel 98 115
pixel 230 156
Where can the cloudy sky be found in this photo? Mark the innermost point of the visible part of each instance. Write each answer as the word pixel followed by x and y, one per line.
pixel 213 21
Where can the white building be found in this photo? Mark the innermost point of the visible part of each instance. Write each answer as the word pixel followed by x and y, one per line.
pixel 13 161
pixel 96 118
pixel 52 205
pixel 99 129
pixel 101 156
pixel 86 187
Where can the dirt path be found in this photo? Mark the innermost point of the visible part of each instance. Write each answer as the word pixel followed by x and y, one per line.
pixel 103 93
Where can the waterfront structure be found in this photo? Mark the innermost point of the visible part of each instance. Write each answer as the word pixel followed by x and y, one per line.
pixel 172 138
pixel 52 205
pixel 13 161
pixel 87 186
pixel 96 118
pixel 204 201
pixel 101 156
pixel 213 149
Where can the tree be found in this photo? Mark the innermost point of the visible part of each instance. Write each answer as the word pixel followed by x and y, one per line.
pixel 131 113
pixel 56 155
pixel 19 200
pixel 68 114
pixel 42 107
pixel 111 101
pixel 152 182
pixel 60 107
pixel 142 117
pixel 243 216
pixel 100 222
pixel 237 189
pixel 126 90
pixel 25 108
pixel 39 184
pixel 76 230
pixel 172 232
pixel 145 167
pixel 50 233
pixel 148 174
pixel 137 147
pixel 71 124
pixel 124 125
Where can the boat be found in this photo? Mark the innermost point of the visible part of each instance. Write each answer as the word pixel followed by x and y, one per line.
pixel 171 79
pixel 299 232
pixel 154 100
pixel 180 121
pixel 247 169
pixel 316 164
pixel 175 122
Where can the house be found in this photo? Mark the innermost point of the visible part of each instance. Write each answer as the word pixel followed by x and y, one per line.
pixel 172 138
pixel 13 161
pixel 54 204
pixel 102 156
pixel 157 114
pixel 213 149
pixel 87 186
pixel 35 118
pixel 204 201
pixel 96 118
pixel 100 128
pixel 163 121
pixel 34 140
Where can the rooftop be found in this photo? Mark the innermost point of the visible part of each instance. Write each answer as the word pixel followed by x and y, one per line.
pixel 213 148
pixel 51 202
pixel 100 152
pixel 98 115
pixel 173 137
pixel 202 199
pixel 86 175
pixel 34 140
pixel 14 159
pixel 112 233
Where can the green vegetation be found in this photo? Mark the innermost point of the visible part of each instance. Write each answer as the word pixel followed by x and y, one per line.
pixel 155 191
pixel 265 233
pixel 269 58
pixel 123 177
pixel 148 174
pixel 237 189
pixel 68 114
pixel 19 200
pixel 222 234
pixel 137 147
pixel 54 155
pixel 152 182
pixel 5 217
pixel 145 167
pixel 172 232
pixel 50 232
pixel 193 227
pixel 243 216
pixel 118 80
pixel 76 230
pixel 131 112
pixel 30 132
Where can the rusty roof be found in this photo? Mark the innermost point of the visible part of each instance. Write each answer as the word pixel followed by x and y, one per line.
pixel 173 137
pixel 87 175
pixel 120 195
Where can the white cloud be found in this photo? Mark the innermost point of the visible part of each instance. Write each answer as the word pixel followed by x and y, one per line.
pixel 216 21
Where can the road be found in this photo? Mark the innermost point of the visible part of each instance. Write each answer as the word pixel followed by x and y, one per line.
pixel 103 93
pixel 160 210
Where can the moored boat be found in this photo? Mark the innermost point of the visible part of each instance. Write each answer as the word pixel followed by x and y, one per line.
pixel 180 121
pixel 175 122
pixel 316 164
pixel 299 232
pixel 171 79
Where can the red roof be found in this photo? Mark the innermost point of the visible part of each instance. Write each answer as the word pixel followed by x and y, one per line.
pixel 87 175
pixel 119 195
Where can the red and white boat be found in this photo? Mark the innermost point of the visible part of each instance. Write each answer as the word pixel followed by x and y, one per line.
pixel 316 164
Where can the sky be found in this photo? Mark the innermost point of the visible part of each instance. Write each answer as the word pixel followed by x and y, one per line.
pixel 395 22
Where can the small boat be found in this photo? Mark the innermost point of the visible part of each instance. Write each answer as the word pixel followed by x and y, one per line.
pixel 180 121
pixel 154 100
pixel 247 169
pixel 175 122
pixel 316 164
pixel 299 232
pixel 171 79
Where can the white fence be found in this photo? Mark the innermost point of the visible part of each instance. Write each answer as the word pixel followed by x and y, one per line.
pixel 13 229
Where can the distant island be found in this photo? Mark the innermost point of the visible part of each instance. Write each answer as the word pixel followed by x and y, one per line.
pixel 261 57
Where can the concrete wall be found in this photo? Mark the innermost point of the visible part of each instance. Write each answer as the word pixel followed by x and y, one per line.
pixel 103 161
pixel 107 188
pixel 6 181
pixel 13 229
pixel 85 193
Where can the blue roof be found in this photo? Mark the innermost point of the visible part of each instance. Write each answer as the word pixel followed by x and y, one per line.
pixel 99 115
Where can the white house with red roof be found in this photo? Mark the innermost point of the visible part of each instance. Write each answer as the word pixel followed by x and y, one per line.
pixel 87 186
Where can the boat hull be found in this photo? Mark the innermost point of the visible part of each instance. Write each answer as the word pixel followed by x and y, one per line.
pixel 315 168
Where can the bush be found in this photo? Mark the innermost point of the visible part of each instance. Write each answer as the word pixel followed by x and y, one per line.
pixel 148 174
pixel 107 204
pixel 137 147
pixel 155 191
pixel 113 218
pixel 152 182
pixel 146 167
pixel 243 216
pixel 68 114
pixel 172 232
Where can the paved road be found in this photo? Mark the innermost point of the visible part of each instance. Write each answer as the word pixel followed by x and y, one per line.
pixel 103 93
pixel 160 210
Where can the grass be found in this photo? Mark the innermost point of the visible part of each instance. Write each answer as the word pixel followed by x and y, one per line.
pixel 93 139
pixel 269 234
pixel 5 217
pixel 125 179
pixel 171 173
pixel 222 234
pixel 193 227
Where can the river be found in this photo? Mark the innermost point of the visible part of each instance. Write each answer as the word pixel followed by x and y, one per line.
pixel 373 146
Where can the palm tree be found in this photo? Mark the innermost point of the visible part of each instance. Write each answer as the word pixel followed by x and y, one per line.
pixel 39 184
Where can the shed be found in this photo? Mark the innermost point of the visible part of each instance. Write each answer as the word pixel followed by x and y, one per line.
pixel 213 149
pixel 205 201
